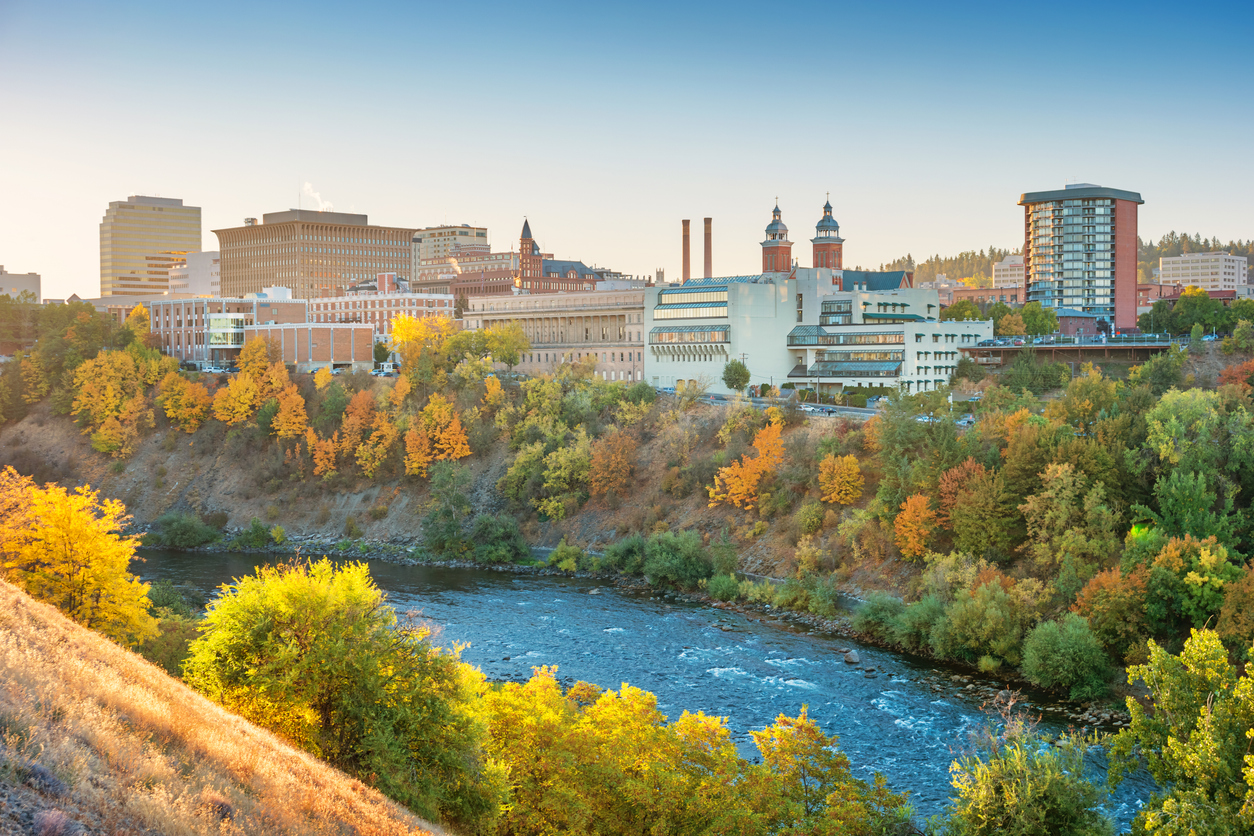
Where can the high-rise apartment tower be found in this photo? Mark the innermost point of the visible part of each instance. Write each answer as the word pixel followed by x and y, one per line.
pixel 141 238
pixel 1079 251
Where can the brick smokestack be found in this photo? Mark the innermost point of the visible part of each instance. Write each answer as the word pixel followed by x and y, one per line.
pixel 687 254
pixel 709 251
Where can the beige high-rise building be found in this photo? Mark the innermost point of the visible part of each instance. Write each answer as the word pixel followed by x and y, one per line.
pixel 316 254
pixel 141 238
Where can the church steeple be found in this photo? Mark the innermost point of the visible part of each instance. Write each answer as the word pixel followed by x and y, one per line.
pixel 776 249
pixel 530 264
pixel 827 243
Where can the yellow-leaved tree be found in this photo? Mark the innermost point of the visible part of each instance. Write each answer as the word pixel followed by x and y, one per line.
pixel 238 401
pixel 290 421
pixel 68 550
pixel 323 378
pixel 418 455
pixel 186 404
pixel 420 343
pixel 840 479
pixel 257 356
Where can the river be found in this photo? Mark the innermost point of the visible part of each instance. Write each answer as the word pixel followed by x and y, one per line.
pixel 907 720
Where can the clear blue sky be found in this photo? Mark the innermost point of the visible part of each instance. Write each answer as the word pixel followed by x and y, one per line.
pixel 606 124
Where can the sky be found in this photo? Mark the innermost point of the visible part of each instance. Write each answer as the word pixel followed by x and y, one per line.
pixel 606 124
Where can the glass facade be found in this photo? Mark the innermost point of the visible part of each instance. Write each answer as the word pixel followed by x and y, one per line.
pixel 1072 255
pixel 836 312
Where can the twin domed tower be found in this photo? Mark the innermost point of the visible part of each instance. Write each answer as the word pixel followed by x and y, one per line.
pixel 828 245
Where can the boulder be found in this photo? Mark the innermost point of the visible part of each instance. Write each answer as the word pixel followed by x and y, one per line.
pixel 852 658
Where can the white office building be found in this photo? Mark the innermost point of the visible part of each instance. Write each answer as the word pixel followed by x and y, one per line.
pixel 199 275
pixel 1008 272
pixel 1209 271
pixel 818 328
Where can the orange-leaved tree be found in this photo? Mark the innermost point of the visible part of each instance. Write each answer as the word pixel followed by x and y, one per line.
pixel 914 525
pixel 418 455
pixel 840 479
pixel 186 404
pixel 613 459
pixel 400 392
pixel 358 420
pixel 373 452
pixel 738 483
pixel 452 442
pixel 258 355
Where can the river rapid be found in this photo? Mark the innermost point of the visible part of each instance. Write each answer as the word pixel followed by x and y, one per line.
pixel 908 718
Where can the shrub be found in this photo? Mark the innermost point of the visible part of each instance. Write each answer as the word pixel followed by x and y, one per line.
pixel 183 531
pixel 351 530
pixel 762 592
pixel 378 512
pixel 1025 787
pixel 809 518
pixel 165 598
pixel 169 648
pixel 272 513
pixel 723 587
pixel 825 596
pixel 878 616
pixel 626 556
pixel 1065 654
pixel 215 519
pixel 680 559
pixel 496 538
pixel 566 557
pixel 255 537
pixel 324 515
pixel 912 629
pixel 1114 606
pixel 986 622
pixel 278 535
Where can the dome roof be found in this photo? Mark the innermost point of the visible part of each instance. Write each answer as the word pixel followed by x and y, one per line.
pixel 776 226
pixel 827 222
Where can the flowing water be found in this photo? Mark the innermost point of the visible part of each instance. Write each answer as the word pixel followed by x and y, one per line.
pixel 908 719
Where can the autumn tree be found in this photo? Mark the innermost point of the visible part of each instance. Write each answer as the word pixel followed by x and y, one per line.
pixel 291 420
pixel 400 391
pixel 613 461
pixel 493 394
pixel 186 403
pixel 1011 325
pixel 506 343
pixel 913 526
pixel 738 483
pixel 374 451
pixel 70 552
pixel 418 453
pixel 258 355
pixel 237 401
pixel 323 378
pixel 1115 606
pixel 952 485
pixel 1070 526
pixel 358 421
pixel 452 444
pixel 420 343
pixel 840 479
pixel 323 452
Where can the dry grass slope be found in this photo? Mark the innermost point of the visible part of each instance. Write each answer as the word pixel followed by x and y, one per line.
pixel 94 739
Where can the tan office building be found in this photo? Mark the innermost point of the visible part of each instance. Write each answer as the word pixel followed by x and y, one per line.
pixel 566 327
pixel 141 239
pixel 316 254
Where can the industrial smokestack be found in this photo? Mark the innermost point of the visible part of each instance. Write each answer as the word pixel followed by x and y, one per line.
pixel 709 252
pixel 687 255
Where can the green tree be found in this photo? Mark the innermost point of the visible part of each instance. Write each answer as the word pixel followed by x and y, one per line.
pixel 381 353
pixel 314 653
pixel 1038 319
pixel 962 309
pixel 1065 654
pixel 507 343
pixel 449 506
pixel 736 376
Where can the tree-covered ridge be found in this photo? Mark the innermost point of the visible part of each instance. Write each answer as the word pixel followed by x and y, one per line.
pixel 974 268
pixel 1174 243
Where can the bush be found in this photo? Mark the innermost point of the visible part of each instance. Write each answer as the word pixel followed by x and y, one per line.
pixel 913 627
pixel 169 648
pixel 182 531
pixel 278 535
pixel 809 518
pixel 626 556
pixel 496 538
pixel 879 615
pixel 255 537
pixel 680 559
pixel 272 513
pixel 723 587
pixel 378 512
pixel 793 595
pixel 1066 654
pixel 351 530
pixel 566 557
pixel 165 598
pixel 1026 788
pixel 215 519
pixel 640 393
pixel 762 592
pixel 324 515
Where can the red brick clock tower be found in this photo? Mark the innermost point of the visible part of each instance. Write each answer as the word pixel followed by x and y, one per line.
pixel 776 249
pixel 530 264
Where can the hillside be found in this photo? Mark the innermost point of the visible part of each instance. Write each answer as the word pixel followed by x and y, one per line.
pixel 91 735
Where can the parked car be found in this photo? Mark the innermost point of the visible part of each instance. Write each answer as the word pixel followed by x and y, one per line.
pixel 1018 341
pixel 985 343
pixel 966 421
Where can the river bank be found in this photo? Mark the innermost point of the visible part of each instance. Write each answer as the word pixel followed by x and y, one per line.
pixel 1094 716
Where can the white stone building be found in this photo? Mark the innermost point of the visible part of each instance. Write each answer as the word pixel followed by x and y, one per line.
pixel 1209 271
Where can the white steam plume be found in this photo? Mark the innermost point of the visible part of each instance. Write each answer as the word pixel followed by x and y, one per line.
pixel 323 205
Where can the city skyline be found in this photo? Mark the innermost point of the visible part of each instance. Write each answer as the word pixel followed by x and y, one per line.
pixel 607 127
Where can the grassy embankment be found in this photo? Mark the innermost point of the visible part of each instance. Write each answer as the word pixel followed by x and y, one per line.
pixel 92 734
